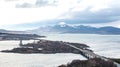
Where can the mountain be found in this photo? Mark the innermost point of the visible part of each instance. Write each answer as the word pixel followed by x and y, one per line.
pixel 76 29
pixel 64 28
pixel 109 30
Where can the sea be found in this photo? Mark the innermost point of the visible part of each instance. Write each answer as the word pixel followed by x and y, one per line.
pixel 104 45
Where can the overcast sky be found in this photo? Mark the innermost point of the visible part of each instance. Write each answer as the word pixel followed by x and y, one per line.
pixel 29 14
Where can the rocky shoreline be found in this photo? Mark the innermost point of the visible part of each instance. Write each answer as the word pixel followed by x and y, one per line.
pixel 94 62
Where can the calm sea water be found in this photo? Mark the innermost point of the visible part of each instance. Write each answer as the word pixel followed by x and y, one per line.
pixel 105 45
pixel 33 60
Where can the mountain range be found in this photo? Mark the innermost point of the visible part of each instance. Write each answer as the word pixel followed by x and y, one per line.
pixel 64 28
pixel 80 29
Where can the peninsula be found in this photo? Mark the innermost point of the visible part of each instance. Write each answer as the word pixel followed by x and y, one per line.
pixel 48 47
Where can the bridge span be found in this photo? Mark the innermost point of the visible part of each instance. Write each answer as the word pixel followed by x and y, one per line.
pixel 89 55
pixel 86 53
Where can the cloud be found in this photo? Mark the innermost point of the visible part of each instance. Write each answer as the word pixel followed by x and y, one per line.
pixel 27 5
pixel 93 11
pixel 82 11
pixel 28 15
pixel 86 16
pixel 46 3
pixel 69 11
pixel 114 24
pixel 37 3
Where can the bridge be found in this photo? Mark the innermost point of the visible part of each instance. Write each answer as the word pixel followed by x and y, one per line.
pixel 86 53
pixel 20 37
pixel 89 55
pixel 21 41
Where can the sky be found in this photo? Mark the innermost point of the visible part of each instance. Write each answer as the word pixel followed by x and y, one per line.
pixel 31 14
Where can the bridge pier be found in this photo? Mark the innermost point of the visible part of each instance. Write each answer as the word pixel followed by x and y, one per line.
pixel 34 41
pixel 89 56
pixel 20 44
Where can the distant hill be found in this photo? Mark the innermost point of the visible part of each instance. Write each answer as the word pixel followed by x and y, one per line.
pixel 9 31
pixel 76 29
